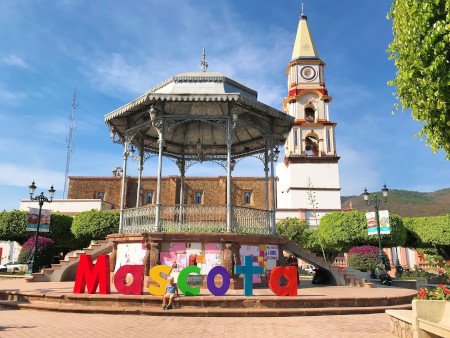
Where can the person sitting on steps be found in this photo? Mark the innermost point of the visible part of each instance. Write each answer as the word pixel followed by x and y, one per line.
pixel 171 293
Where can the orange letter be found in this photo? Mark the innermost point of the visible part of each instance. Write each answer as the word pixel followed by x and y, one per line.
pixel 155 274
pixel 92 275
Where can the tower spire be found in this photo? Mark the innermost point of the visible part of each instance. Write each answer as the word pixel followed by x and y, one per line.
pixel 304 46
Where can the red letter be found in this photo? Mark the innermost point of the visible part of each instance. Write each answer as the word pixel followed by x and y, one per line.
pixel 290 273
pixel 135 288
pixel 91 275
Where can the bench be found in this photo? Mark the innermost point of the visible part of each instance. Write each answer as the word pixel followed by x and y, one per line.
pixel 428 318
pixel 432 318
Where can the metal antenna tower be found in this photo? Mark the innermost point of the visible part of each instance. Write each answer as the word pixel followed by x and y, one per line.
pixel 69 138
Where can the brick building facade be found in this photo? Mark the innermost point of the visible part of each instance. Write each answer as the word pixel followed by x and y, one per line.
pixel 246 191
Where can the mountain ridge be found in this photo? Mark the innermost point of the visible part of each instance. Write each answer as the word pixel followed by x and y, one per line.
pixel 406 203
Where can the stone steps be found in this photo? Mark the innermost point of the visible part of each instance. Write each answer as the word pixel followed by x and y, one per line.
pixel 199 311
pixel 56 272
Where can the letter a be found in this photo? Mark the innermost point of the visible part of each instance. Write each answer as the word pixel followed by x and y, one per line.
pixel 290 273
pixel 91 275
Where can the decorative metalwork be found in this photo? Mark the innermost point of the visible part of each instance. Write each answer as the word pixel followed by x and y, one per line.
pixel 196 219
pixel 251 221
pixel 204 63
pixel 115 137
pixel 138 220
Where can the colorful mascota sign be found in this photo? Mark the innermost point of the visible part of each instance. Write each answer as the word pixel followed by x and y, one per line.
pixel 97 276
pixel 385 227
pixel 33 216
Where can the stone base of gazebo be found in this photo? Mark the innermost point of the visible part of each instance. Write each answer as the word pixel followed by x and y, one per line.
pixel 202 249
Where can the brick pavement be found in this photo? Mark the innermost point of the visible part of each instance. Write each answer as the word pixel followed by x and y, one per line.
pixel 30 323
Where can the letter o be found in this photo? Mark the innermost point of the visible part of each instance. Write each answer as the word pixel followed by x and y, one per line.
pixel 218 291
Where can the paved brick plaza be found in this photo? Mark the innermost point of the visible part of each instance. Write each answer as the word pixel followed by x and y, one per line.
pixel 30 323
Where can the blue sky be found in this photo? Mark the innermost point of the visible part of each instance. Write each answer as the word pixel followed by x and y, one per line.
pixel 117 50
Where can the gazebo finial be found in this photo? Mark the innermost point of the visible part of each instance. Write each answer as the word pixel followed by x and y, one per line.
pixel 204 63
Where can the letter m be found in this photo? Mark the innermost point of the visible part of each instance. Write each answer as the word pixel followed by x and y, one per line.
pixel 91 275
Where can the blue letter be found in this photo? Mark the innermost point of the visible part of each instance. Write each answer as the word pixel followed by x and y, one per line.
pixel 248 270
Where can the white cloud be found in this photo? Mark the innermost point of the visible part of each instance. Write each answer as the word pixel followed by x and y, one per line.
pixel 15 61
pixel 10 97
pixel 22 175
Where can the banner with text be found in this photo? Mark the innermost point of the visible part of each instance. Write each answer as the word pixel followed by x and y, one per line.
pixel 385 227
pixel 33 215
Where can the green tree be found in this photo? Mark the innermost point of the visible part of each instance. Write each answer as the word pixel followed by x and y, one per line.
pixel 430 232
pixel 94 225
pixel 13 226
pixel 340 230
pixel 61 234
pixel 421 50
pixel 292 228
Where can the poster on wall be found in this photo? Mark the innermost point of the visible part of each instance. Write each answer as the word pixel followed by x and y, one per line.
pixel 249 250
pixel 129 254
pixel 33 215
pixel 272 252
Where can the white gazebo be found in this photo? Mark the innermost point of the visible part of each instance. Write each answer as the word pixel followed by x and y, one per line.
pixel 197 117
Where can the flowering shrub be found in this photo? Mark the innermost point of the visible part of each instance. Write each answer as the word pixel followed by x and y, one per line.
pixel 365 258
pixel 45 248
pixel 442 292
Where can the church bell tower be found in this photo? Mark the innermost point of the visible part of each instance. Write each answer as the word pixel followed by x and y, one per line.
pixel 308 185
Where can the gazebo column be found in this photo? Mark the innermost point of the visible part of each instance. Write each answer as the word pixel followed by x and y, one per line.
pixel 158 184
pixel 272 177
pixel 266 172
pixel 140 168
pixel 124 178
pixel 182 167
pixel 229 209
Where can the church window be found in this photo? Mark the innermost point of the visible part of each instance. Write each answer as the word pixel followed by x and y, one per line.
pixel 295 138
pixel 149 197
pixel 328 141
pixel 311 146
pixel 247 197
pixel 198 197
pixel 309 115
pixel 100 195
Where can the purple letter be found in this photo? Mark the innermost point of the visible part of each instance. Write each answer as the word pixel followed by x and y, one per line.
pixel 218 291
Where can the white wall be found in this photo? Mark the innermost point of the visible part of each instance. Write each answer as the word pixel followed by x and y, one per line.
pixel 67 205
pixel 10 252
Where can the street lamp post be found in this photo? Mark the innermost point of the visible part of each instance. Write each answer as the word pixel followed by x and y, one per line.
pixel 41 199
pixel 375 201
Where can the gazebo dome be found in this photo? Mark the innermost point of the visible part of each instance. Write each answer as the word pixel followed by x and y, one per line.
pixel 203 83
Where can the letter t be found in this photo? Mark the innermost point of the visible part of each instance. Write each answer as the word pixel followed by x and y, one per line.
pixel 248 270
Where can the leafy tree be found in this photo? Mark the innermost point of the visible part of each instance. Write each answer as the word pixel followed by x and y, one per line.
pixel 61 234
pixel 13 226
pixel 340 230
pixel 292 228
pixel 94 224
pixel 45 250
pixel 430 232
pixel 421 50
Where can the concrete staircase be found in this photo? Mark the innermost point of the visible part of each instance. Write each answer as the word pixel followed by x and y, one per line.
pixel 66 269
pixel 342 276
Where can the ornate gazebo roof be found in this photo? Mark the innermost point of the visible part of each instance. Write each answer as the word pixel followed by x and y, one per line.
pixel 195 107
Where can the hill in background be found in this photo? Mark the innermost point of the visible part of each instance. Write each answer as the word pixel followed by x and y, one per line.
pixel 407 203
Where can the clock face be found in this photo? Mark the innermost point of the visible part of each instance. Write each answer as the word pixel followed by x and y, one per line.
pixel 308 73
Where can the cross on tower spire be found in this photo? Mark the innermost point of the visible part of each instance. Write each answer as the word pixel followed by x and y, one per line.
pixel 204 63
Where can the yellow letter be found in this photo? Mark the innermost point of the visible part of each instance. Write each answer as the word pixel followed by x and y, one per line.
pixel 155 276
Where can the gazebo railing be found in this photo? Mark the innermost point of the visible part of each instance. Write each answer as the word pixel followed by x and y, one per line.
pixel 196 219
